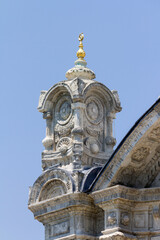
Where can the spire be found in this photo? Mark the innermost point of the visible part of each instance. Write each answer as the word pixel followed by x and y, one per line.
pixel 80 53
pixel 80 70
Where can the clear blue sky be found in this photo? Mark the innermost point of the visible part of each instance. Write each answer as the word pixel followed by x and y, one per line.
pixel 38 44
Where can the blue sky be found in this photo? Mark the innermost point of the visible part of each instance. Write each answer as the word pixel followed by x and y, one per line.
pixel 38 44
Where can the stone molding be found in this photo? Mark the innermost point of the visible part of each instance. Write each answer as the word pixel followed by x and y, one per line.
pixel 126 193
pixel 109 175
pixel 55 204
pixel 117 236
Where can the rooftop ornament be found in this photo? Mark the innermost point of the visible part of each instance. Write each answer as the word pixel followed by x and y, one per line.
pixel 80 70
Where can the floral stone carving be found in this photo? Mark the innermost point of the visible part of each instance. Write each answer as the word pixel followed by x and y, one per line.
pixel 155 134
pixel 140 154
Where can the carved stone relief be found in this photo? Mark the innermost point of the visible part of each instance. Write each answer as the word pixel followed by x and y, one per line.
pixel 111 219
pixel 64 183
pixel 94 110
pixel 64 124
pixel 52 189
pixel 63 130
pixel 64 144
pixel 125 218
pixel 155 134
pixel 140 154
pixel 126 176
pixel 63 110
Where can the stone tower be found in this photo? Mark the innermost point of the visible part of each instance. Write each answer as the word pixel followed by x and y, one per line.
pixel 79 140
pixel 87 190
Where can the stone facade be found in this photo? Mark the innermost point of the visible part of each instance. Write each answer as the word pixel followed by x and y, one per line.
pixel 87 190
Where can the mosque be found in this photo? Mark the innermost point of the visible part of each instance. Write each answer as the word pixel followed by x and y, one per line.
pixel 87 190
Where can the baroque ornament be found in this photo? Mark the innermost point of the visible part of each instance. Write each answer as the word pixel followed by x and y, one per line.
pixel 140 154
pixel 155 134
pixel 94 110
pixel 63 110
pixel 63 130
pixel 63 144
pixel 125 219
pixel 112 219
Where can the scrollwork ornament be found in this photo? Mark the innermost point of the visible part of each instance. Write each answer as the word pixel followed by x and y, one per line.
pixel 62 130
pixel 94 110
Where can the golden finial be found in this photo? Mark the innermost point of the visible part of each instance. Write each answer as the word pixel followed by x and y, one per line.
pixel 81 53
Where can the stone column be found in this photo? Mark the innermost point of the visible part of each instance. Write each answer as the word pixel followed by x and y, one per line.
pixel 77 133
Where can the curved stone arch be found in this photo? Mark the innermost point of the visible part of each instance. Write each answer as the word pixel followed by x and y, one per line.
pixel 109 96
pixel 52 188
pixel 121 159
pixel 47 98
pixel 48 176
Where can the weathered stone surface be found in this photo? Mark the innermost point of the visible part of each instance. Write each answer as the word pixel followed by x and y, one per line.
pixel 86 190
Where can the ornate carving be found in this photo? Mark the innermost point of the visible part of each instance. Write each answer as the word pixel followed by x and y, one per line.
pixel 48 176
pixel 155 134
pixel 52 189
pixel 152 168
pixel 93 132
pixel 111 219
pixel 127 146
pixel 125 219
pixel 63 110
pixel 94 110
pixel 63 144
pixel 140 154
pixel 126 176
pixel 63 130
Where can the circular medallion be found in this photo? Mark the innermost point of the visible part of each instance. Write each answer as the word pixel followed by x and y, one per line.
pixel 94 110
pixel 63 110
